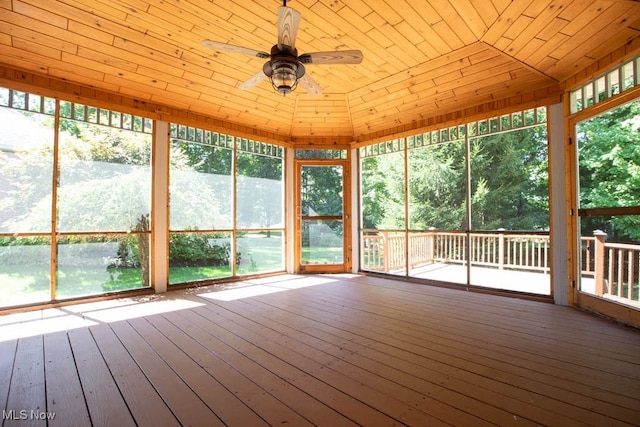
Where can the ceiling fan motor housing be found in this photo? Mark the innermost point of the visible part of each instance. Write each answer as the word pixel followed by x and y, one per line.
pixel 284 69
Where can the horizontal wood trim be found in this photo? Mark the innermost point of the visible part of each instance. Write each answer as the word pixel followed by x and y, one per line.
pixel 323 268
pixel 629 210
pixel 322 218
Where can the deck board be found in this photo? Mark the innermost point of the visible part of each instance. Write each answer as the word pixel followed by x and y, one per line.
pixel 102 396
pixel 288 392
pixel 321 391
pixel 7 360
pixel 26 390
pixel 65 398
pixel 320 350
pixel 146 406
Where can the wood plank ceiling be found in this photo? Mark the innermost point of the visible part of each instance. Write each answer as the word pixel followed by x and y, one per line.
pixel 421 59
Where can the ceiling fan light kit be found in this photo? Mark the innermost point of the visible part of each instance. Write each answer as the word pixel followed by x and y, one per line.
pixel 284 70
pixel 284 67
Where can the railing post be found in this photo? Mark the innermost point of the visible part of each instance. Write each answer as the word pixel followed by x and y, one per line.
pixel 501 248
pixel 385 250
pixel 598 265
pixel 431 247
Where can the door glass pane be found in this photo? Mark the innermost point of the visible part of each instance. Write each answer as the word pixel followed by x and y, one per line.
pixel 321 196
pixel 321 190
pixel 609 178
pixel 322 242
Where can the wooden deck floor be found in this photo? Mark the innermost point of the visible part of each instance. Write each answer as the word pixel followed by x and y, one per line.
pixel 318 350
pixel 510 280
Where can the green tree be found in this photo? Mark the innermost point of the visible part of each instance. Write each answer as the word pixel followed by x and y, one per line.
pixel 437 187
pixel 509 184
pixel 322 190
pixel 609 170
pixel 382 189
pixel 374 193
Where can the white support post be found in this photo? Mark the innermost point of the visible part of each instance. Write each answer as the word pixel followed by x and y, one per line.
pixel 355 212
pixel 290 209
pixel 160 207
pixel 558 196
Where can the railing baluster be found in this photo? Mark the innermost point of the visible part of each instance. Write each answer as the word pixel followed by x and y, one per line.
pixel 630 275
pixel 638 278
pixel 520 252
pixel 611 271
pixel 501 251
pixel 620 271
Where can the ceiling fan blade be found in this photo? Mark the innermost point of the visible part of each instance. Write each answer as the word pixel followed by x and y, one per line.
pixel 288 23
pixel 310 85
pixel 336 57
pixel 252 81
pixel 224 47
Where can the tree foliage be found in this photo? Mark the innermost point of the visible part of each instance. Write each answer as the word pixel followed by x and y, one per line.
pixel 437 187
pixel 508 185
pixel 609 170
pixel 322 190
pixel 382 187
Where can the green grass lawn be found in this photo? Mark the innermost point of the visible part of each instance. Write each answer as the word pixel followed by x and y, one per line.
pixel 73 282
pixel 31 283
pixel 322 255
pixel 20 285
pixel 192 274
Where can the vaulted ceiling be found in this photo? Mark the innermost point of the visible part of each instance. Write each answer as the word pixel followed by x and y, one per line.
pixel 421 58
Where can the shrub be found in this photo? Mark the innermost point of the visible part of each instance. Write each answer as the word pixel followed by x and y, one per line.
pixel 198 249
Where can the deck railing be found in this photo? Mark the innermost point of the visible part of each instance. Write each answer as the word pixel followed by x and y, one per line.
pixel 615 267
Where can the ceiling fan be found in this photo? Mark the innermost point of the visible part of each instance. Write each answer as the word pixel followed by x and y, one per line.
pixel 285 68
